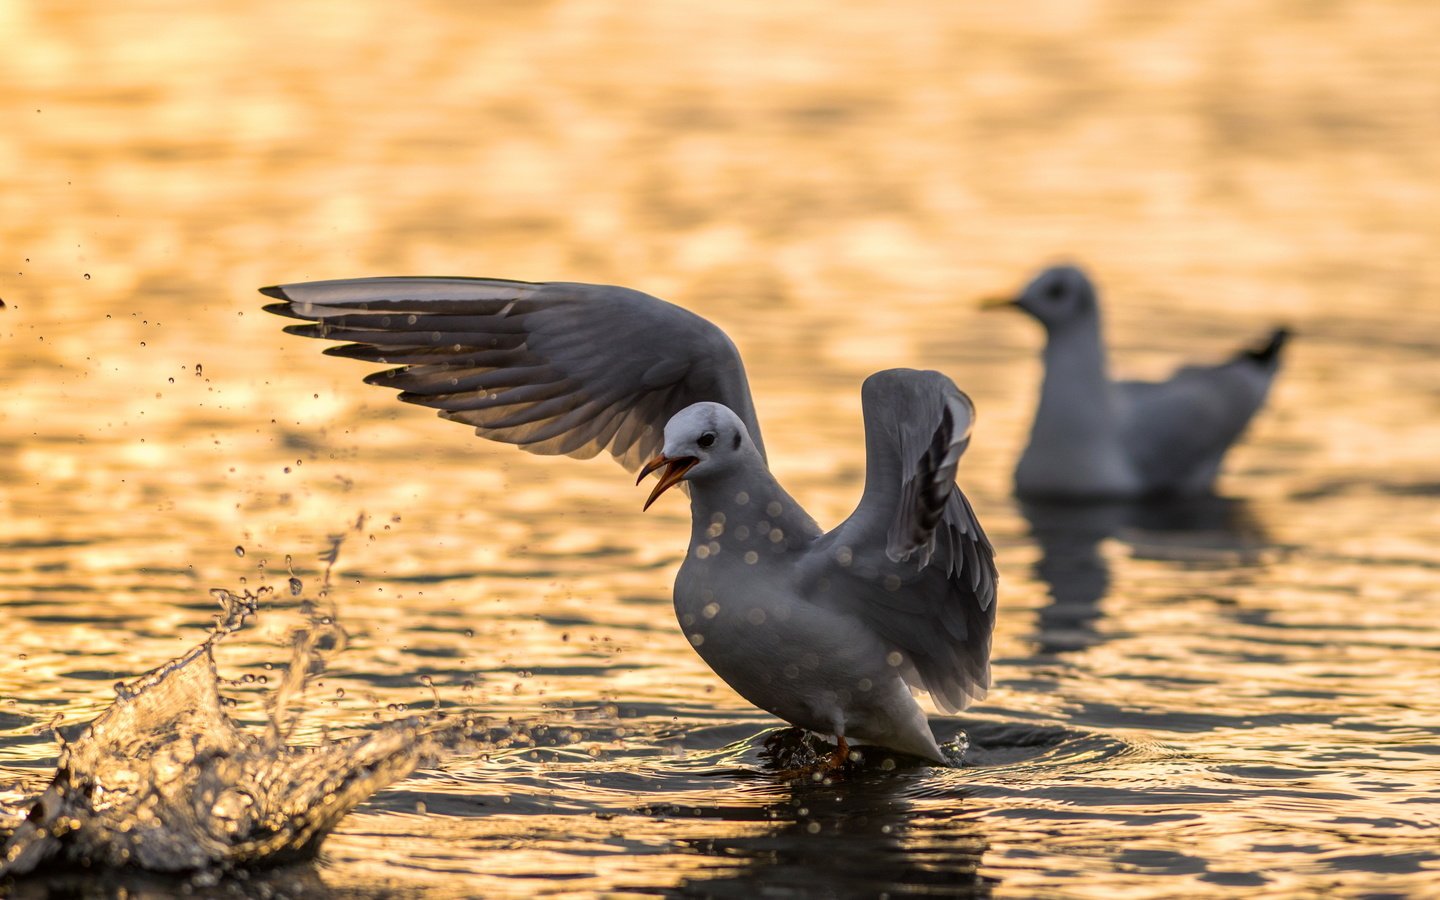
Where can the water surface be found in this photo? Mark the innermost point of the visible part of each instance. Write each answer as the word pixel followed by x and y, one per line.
pixel 1230 698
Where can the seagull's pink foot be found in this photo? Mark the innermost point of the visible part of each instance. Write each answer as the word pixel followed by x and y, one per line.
pixel 830 765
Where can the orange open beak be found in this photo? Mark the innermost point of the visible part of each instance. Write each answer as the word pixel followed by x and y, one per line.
pixel 675 469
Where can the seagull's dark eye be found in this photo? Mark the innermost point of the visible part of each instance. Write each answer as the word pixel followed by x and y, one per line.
pixel 707 440
pixel 1055 290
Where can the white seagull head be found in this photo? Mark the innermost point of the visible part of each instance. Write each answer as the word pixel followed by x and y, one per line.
pixel 702 440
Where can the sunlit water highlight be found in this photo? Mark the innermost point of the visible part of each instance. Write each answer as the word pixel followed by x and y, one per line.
pixel 1237 699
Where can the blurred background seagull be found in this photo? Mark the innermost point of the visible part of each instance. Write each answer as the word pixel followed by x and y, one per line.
pixel 1094 438
pixel 827 630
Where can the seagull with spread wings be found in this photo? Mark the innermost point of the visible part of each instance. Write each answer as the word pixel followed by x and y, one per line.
pixel 829 631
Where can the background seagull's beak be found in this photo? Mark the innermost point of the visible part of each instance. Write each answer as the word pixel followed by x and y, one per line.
pixel 998 302
pixel 675 470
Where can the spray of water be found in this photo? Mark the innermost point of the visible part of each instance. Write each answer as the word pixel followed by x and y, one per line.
pixel 165 780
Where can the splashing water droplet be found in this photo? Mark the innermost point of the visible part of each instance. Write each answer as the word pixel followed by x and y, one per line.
pixel 296 586
pixel 239 550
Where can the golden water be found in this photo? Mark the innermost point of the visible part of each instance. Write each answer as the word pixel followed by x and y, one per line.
pixel 1247 704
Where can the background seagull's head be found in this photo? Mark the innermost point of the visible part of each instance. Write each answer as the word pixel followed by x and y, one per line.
pixel 1059 296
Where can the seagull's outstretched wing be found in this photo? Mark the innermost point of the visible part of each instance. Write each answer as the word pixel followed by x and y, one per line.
pixel 1177 431
pixel 912 560
pixel 553 368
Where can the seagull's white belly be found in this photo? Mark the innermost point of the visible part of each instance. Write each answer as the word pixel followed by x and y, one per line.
pixel 1075 467
pixel 807 664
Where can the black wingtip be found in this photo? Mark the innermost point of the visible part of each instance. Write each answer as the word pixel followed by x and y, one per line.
pixel 1270 352
pixel 312 330
pixel 275 291
pixel 367 352
pixel 286 309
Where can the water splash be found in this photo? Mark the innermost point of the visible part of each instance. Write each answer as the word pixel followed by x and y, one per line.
pixel 165 780
pixel 309 648
pixel 794 750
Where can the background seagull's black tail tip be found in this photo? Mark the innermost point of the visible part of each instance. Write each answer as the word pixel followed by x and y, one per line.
pixel 1269 353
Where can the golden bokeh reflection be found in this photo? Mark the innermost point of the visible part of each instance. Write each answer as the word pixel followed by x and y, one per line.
pixel 1235 698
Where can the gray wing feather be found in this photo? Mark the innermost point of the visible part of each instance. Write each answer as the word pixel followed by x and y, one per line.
pixel 554 368
pixel 929 481
pixel 912 560
pixel 1177 431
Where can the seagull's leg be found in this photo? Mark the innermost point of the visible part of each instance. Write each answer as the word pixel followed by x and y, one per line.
pixel 831 763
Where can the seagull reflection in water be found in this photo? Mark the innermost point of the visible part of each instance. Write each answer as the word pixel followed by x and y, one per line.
pixel 894 832
pixel 1206 529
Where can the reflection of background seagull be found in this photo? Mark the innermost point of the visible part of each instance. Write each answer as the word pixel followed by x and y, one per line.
pixel 1095 438
pixel 826 630
pixel 1203 530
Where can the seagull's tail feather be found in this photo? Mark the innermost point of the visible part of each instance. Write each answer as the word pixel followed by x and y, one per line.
pixel 1269 354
